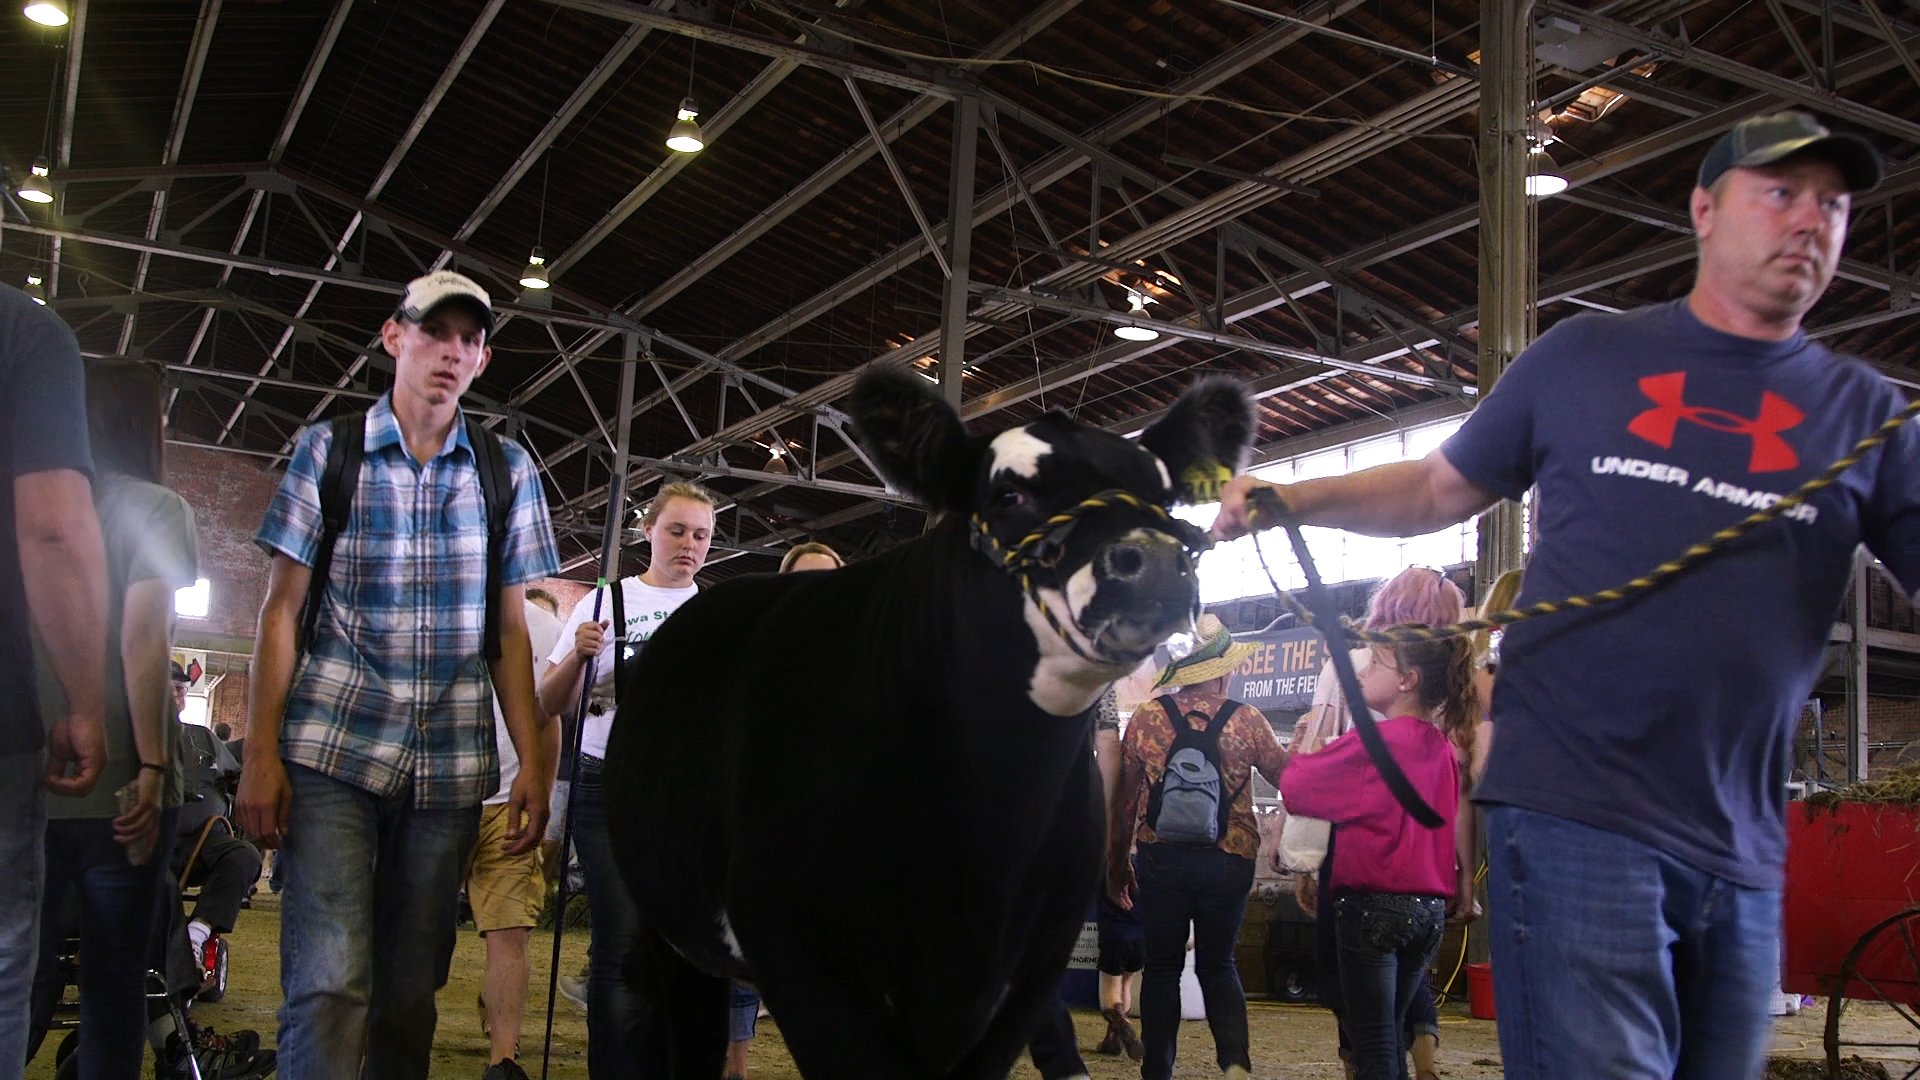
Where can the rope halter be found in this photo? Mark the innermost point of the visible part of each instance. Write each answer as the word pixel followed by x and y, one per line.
pixel 1043 548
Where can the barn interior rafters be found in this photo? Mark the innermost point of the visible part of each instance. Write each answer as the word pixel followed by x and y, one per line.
pixel 1290 191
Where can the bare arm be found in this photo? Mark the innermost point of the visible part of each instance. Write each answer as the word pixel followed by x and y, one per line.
pixel 264 791
pixel 64 565
pixel 513 686
pixel 1406 498
pixel 145 623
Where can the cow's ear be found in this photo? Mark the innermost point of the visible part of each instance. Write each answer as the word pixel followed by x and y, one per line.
pixel 915 438
pixel 1204 438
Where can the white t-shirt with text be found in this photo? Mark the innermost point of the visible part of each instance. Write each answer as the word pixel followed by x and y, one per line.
pixel 646 608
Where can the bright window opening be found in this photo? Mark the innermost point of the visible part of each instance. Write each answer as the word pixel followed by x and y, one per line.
pixel 192 602
pixel 1232 570
pixel 196 710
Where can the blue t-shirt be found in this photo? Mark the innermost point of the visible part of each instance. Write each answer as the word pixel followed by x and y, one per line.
pixel 43 427
pixel 1669 718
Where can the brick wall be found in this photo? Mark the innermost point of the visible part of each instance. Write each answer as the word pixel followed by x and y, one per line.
pixel 229 495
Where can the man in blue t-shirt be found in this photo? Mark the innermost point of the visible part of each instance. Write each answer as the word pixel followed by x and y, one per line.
pixel 1635 793
pixel 53 579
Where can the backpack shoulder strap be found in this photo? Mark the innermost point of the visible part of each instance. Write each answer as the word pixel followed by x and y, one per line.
pixel 346 448
pixel 617 636
pixel 496 490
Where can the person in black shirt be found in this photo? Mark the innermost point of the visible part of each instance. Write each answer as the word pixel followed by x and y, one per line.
pixel 53 578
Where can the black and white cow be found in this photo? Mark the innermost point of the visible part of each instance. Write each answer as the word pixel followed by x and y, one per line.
pixel 870 792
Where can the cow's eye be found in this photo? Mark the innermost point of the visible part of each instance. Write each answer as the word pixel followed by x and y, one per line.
pixel 1010 498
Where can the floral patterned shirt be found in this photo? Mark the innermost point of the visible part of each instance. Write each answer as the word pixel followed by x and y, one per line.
pixel 1246 744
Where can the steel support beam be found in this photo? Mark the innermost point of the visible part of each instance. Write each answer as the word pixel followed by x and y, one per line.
pixel 176 136
pixel 1799 92
pixel 427 108
pixel 69 101
pixel 1507 241
pixel 959 260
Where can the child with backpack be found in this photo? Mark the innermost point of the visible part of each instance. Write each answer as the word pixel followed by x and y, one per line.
pixel 1393 879
pixel 1186 796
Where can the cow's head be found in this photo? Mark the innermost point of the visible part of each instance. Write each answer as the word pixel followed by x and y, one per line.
pixel 1118 578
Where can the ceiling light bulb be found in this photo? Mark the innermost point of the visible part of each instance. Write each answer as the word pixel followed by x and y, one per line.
pixel 36 189
pixel 1136 307
pixel 1543 177
pixel 535 275
pixel 47 12
pixel 36 291
pixel 685 136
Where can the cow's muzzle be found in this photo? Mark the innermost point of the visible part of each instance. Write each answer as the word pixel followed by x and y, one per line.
pixel 1144 590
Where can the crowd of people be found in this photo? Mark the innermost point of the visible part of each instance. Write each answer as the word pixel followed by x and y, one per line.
pixel 408 693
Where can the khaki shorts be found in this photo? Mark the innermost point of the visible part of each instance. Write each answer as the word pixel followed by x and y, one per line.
pixel 506 891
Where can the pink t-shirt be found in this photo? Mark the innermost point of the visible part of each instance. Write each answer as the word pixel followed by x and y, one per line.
pixel 1379 848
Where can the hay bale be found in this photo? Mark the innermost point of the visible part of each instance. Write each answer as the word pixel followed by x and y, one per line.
pixel 1851 1068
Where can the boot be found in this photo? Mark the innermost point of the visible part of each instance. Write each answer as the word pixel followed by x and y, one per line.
pixel 1119 1027
pixel 1110 1043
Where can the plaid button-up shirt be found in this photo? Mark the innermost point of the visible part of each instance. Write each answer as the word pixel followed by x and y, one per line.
pixel 395 691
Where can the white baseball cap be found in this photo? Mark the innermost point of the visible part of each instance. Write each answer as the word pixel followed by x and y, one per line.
pixel 428 292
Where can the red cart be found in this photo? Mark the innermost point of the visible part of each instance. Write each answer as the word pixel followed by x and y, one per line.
pixel 1853 914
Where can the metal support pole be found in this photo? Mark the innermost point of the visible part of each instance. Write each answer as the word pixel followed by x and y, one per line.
pixel 1858 765
pixel 609 575
pixel 953 309
pixel 1506 240
pixel 622 436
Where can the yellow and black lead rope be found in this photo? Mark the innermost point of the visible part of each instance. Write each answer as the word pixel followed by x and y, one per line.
pixel 1271 509
pixel 1021 557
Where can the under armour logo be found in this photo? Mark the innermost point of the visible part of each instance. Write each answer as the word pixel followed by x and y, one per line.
pixel 1771 453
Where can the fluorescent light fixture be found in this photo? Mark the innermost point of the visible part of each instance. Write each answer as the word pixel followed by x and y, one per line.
pixel 36 291
pixel 1137 307
pixel 685 136
pixel 535 275
pixel 37 189
pixel 193 601
pixel 48 12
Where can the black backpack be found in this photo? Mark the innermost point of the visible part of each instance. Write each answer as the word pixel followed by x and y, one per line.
pixel 342 478
pixel 1190 804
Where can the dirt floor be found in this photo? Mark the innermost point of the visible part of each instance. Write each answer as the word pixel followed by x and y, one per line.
pixel 1288 1041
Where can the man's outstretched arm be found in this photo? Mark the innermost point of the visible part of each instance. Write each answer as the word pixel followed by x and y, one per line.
pixel 1406 498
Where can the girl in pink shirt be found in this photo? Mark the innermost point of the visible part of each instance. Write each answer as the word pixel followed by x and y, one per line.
pixel 1393 878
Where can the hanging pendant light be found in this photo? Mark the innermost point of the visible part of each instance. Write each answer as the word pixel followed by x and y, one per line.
pixel 685 136
pixel 1543 176
pixel 535 275
pixel 47 12
pixel 35 290
pixel 1137 307
pixel 37 189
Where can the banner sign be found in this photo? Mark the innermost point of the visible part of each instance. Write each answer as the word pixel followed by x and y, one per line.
pixel 1281 673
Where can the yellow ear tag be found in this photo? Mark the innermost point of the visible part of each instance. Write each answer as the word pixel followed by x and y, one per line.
pixel 1204 479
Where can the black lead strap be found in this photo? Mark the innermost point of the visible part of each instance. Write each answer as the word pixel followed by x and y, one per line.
pixel 1326 619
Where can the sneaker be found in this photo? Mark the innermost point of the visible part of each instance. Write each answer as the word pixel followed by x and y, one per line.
pixel 504 1069
pixel 574 989
pixel 214 1062
pixel 244 1041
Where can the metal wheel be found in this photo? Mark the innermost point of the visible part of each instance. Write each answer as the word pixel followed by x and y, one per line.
pixel 1883 966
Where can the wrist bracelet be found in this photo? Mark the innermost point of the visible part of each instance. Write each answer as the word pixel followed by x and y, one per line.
pixel 155 768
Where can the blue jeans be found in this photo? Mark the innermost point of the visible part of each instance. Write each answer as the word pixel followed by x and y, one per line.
pixel 618 1047
pixel 1204 888
pixel 1055 1048
pixel 1614 959
pixel 23 822
pixel 366 928
pixel 116 902
pixel 1386 942
pixel 1423 1017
